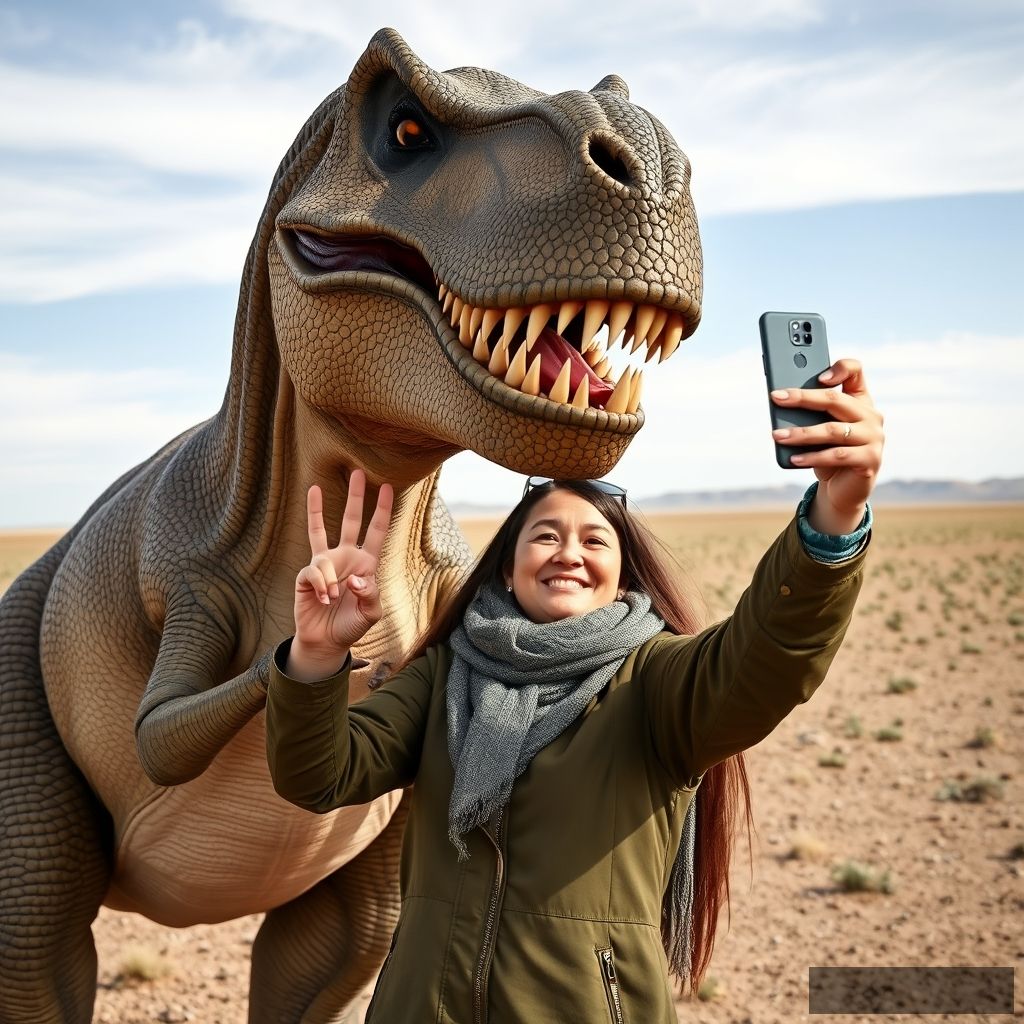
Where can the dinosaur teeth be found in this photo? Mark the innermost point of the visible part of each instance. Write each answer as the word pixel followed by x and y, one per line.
pixel 560 389
pixel 597 310
pixel 630 324
pixel 620 396
pixel 539 317
pixel 531 385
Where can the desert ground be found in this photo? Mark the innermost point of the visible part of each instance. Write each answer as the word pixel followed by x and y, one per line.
pixel 888 809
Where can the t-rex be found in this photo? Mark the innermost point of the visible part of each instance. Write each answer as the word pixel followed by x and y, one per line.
pixel 434 261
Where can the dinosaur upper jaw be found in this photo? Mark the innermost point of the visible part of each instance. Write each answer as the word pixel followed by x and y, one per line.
pixel 545 360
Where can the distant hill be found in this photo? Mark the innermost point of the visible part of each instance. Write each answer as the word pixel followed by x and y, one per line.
pixel 893 492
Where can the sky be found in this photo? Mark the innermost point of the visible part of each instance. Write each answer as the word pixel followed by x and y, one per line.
pixel 863 160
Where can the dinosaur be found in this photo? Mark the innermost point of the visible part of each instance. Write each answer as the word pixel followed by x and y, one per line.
pixel 436 256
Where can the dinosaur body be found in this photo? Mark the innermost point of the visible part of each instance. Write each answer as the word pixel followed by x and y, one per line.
pixel 436 255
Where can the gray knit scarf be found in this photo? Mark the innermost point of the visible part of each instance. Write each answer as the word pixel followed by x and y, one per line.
pixel 515 685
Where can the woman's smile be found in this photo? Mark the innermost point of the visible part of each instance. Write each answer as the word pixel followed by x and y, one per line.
pixel 568 559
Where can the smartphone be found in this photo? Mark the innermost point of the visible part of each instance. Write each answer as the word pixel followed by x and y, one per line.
pixel 794 350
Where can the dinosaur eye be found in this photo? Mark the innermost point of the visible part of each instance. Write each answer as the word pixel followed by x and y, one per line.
pixel 410 134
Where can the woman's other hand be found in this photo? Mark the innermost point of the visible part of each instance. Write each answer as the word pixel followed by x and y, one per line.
pixel 846 471
pixel 336 595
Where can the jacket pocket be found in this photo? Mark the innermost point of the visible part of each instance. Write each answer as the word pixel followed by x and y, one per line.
pixel 609 976
pixel 383 970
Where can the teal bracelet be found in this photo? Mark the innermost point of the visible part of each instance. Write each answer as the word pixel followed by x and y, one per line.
pixel 825 547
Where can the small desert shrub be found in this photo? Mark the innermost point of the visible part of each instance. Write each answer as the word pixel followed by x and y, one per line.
pixel 895 621
pixel 852 876
pixel 807 847
pixel 710 988
pixel 975 791
pixel 890 733
pixel 1015 619
pixel 142 963
pixel 901 684
pixel 968 648
pixel 984 736
pixel 852 728
pixel 1016 852
pixel 834 759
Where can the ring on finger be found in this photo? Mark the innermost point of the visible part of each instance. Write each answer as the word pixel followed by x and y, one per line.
pixel 847 430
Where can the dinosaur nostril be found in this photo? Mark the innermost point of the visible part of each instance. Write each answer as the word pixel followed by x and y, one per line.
pixel 609 162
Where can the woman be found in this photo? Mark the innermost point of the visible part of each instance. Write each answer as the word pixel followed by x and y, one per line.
pixel 557 721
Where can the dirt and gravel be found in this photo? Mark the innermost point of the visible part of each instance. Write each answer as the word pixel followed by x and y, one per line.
pixel 903 774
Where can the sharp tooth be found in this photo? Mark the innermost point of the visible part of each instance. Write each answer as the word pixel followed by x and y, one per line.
pixel 635 387
pixel 517 371
pixel 465 334
pixel 566 313
pixel 442 291
pixel 602 368
pixel 617 319
pixel 448 300
pixel 637 342
pixel 644 319
pixel 594 355
pixel 581 400
pixel 673 333
pixel 499 360
pixel 531 385
pixel 653 348
pixel 456 310
pixel 475 320
pixel 660 319
pixel 560 389
pixel 480 352
pixel 539 317
pixel 620 396
pixel 513 318
pixel 597 310
pixel 491 317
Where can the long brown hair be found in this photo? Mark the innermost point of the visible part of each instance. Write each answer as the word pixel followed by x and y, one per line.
pixel 647 566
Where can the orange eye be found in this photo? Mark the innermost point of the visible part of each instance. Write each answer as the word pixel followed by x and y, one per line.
pixel 409 133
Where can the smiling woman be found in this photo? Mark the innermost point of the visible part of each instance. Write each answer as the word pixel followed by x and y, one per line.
pixel 575 739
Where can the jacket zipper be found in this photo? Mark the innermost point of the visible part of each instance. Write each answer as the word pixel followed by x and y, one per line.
pixel 487 948
pixel 611 984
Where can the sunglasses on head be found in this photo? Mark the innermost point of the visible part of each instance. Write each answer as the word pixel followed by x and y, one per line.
pixel 601 485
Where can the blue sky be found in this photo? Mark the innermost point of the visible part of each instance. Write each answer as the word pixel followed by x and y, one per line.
pixel 864 160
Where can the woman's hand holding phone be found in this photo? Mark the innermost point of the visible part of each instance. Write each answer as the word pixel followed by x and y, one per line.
pixel 848 467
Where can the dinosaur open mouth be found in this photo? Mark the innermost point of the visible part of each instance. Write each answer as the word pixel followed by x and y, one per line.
pixel 559 351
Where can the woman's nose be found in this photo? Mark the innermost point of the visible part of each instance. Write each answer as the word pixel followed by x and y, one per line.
pixel 570 552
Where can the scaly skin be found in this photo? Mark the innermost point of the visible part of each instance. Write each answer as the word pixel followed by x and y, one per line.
pixel 141 780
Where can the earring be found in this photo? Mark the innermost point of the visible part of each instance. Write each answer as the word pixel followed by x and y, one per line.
pixel 509 589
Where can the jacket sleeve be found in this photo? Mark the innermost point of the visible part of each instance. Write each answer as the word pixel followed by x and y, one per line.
pixel 713 695
pixel 324 754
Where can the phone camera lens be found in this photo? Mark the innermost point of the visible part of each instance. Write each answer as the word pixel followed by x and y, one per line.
pixel 794 325
pixel 796 339
pixel 807 339
pixel 807 325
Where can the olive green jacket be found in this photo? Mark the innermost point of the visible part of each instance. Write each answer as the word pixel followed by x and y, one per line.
pixel 555 916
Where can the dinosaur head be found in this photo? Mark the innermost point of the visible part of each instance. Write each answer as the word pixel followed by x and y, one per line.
pixel 441 274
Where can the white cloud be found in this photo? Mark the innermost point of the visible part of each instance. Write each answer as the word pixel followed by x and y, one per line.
pixel 947 402
pixel 65 435
pixel 204 113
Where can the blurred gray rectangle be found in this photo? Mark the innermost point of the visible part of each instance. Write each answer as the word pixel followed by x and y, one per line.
pixel 910 990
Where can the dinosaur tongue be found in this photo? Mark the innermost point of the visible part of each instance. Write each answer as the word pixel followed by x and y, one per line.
pixel 554 350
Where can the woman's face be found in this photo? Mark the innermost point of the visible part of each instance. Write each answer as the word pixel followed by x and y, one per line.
pixel 567 560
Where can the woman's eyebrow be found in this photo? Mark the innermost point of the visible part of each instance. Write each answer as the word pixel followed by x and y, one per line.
pixel 555 524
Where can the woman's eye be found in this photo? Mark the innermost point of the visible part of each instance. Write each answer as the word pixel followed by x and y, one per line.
pixel 410 134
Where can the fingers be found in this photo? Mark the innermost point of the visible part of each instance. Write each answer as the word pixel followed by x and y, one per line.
pixel 850 374
pixel 315 520
pixel 368 596
pixel 852 434
pixel 352 520
pixel 838 404
pixel 310 578
pixel 377 531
